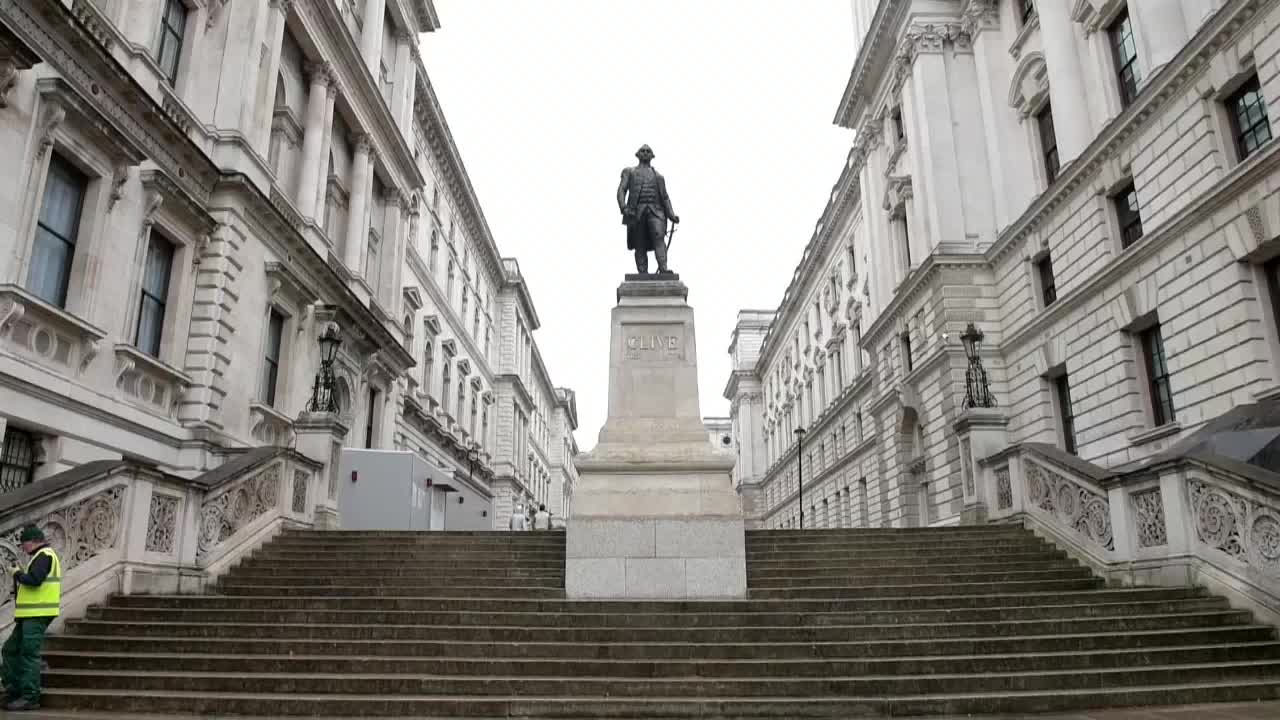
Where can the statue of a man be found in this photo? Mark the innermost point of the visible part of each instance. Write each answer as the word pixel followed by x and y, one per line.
pixel 642 198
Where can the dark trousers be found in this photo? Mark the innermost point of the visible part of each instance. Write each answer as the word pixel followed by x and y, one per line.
pixel 654 230
pixel 21 657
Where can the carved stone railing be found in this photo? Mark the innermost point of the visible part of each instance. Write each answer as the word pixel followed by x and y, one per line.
pixel 124 528
pixel 1175 522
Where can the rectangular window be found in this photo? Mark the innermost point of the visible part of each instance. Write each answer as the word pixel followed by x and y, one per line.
pixel 56 232
pixel 907 361
pixel 271 368
pixel 484 425
pixel 1125 52
pixel 18 461
pixel 475 403
pixel 1249 123
pixel 448 290
pixel 1129 215
pixel 435 250
pixel 898 132
pixel 1157 376
pixel 462 397
pixel 906 239
pixel 1066 415
pixel 370 412
pixel 1272 272
pixel 445 379
pixel 1048 286
pixel 1048 143
pixel 372 271
pixel 155 294
pixel 173 27
pixel 428 364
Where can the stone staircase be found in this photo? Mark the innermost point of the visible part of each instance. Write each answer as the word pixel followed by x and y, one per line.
pixel 840 624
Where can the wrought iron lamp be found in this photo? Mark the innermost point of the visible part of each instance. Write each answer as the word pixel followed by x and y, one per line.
pixel 324 397
pixel 473 455
pixel 977 389
pixel 800 468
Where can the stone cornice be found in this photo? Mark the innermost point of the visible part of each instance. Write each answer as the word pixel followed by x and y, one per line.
pixel 876 50
pixel 855 390
pixel 357 85
pixel 916 283
pixel 510 278
pixel 1167 84
pixel 1231 188
pixel 743 378
pixel 443 307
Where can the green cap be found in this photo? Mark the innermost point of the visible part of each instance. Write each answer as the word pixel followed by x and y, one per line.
pixel 31 533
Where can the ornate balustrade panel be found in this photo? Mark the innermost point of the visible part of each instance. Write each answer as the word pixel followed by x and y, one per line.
pixel 236 506
pixel 1084 511
pixel 1241 523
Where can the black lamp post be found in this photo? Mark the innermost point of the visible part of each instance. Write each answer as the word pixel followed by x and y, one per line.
pixel 800 464
pixel 323 395
pixel 472 456
pixel 977 390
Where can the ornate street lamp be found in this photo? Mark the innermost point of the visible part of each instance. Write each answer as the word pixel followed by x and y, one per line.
pixel 472 456
pixel 324 397
pixel 977 390
pixel 800 467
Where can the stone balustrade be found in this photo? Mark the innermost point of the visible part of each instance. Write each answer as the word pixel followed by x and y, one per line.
pixel 125 528
pixel 1176 522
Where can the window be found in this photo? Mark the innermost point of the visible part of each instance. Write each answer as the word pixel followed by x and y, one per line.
pixel 56 232
pixel 1272 272
pixel 435 250
pixel 907 361
pixel 371 268
pixel 448 291
pixel 475 403
pixel 1048 287
pixel 173 26
pixel 155 294
pixel 1026 10
pixel 445 378
pixel 428 364
pixel 1129 216
pixel 484 425
pixel 1062 388
pixel 370 412
pixel 271 368
pixel 462 396
pixel 1157 376
pixel 905 233
pixel 1048 143
pixel 18 461
pixel 487 333
pixel 1249 122
pixel 899 133
pixel 1125 52
pixel 466 299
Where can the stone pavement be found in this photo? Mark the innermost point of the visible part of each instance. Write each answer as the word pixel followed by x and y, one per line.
pixel 1225 711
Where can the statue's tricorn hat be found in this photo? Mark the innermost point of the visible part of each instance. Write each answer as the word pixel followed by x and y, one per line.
pixel 645 148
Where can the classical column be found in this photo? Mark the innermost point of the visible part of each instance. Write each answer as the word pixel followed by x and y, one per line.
pixel 357 227
pixel 371 34
pixel 1162 29
pixel 271 73
pixel 326 147
pixel 317 101
pixel 400 94
pixel 392 230
pixel 1071 123
pixel 926 108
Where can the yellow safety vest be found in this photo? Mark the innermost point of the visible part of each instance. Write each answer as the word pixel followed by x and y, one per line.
pixel 44 599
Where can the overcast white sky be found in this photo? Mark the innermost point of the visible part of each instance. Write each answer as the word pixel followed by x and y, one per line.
pixel 548 101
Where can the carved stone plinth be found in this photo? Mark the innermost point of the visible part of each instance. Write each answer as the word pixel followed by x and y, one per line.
pixel 655 514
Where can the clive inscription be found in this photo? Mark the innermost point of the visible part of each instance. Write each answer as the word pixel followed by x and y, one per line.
pixel 653 342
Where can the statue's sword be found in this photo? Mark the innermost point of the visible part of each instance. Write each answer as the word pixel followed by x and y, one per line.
pixel 671 234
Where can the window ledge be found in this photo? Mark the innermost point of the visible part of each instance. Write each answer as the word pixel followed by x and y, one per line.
pixel 147 381
pixel 270 426
pixel 1147 435
pixel 1032 24
pixel 46 334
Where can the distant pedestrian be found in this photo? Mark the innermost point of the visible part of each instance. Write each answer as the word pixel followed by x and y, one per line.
pixel 519 521
pixel 542 520
pixel 39 595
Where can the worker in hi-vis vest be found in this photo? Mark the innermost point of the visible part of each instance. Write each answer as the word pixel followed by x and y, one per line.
pixel 39 594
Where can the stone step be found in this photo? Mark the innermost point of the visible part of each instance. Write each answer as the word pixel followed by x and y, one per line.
pixel 618 687
pixel 912 576
pixel 408 573
pixel 745 635
pixel 904 545
pixel 427 542
pixel 836 589
pixel 473 590
pixel 772 667
pixel 870 532
pixel 913 554
pixel 896 559
pixel 903 568
pixel 648 619
pixel 548 708
pixel 515 603
pixel 350 565
pixel 155 641
pixel 294 557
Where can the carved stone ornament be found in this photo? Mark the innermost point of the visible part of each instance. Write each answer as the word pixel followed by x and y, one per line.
pixel 162 523
pixel 78 533
pixel 1078 508
pixel 237 507
pixel 1004 489
pixel 1245 529
pixel 301 479
pixel 1148 511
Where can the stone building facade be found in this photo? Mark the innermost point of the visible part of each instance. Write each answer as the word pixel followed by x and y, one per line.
pixel 1092 184
pixel 197 190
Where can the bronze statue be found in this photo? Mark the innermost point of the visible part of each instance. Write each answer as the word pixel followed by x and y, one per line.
pixel 642 198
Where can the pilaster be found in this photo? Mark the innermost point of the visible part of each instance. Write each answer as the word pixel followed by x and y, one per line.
pixel 321 77
pixel 357 227
pixel 371 34
pixel 1071 122
pixel 1160 29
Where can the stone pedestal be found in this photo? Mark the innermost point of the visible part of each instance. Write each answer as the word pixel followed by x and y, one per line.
pixel 655 514
pixel 319 437
pixel 982 433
